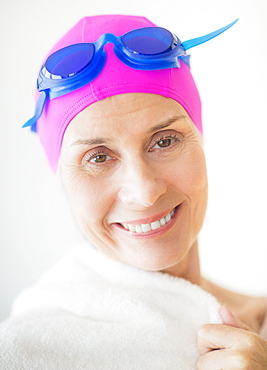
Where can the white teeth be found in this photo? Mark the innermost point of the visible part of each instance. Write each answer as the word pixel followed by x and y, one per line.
pixel 138 229
pixel 143 228
pixel 132 228
pixel 155 225
pixel 168 217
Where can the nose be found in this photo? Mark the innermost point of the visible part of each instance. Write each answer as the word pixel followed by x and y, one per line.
pixel 141 186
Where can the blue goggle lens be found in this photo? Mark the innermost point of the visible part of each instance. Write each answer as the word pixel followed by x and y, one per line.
pixel 148 41
pixel 70 60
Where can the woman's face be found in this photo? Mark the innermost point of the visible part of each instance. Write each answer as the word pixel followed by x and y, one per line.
pixel 134 171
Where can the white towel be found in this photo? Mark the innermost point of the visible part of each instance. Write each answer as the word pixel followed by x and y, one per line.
pixel 90 312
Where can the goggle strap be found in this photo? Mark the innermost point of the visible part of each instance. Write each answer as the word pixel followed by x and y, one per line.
pixel 200 40
pixel 38 110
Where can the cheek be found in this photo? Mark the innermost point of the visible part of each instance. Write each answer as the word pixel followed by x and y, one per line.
pixel 189 173
pixel 89 199
pixel 197 184
pixel 190 177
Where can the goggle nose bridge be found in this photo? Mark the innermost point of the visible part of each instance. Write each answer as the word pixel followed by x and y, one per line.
pixel 107 38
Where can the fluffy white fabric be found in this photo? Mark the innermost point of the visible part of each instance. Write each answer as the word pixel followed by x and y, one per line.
pixel 90 312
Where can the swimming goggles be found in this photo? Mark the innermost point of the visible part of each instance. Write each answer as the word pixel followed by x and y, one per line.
pixel 149 48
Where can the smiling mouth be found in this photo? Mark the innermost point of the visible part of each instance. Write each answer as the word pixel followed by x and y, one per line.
pixel 144 228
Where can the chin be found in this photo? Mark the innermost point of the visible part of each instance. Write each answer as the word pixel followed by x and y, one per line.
pixel 154 259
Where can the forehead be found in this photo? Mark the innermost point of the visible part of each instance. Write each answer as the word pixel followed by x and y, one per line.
pixel 131 111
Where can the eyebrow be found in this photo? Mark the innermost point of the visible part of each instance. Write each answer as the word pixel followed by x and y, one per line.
pixel 96 141
pixel 167 123
pixel 100 140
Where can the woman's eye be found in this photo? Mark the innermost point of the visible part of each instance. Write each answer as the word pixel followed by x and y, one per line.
pixel 164 143
pixel 96 157
pixel 100 158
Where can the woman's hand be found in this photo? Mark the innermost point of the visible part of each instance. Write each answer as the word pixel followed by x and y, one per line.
pixel 230 346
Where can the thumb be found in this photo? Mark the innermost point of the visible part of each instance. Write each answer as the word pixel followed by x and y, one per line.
pixel 218 336
pixel 229 318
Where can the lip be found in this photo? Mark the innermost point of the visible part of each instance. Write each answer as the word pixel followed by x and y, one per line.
pixel 152 233
pixel 148 220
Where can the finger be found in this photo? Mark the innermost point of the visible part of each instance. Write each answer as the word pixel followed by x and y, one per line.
pixel 220 359
pixel 229 318
pixel 218 336
pixel 250 352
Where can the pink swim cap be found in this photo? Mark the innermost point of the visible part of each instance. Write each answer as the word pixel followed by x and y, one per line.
pixel 116 78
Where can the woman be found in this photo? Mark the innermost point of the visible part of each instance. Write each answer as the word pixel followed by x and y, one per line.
pixel 124 133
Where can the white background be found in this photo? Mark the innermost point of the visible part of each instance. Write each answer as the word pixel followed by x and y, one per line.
pixel 231 73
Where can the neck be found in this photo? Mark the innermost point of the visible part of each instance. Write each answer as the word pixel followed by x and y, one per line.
pixel 189 267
